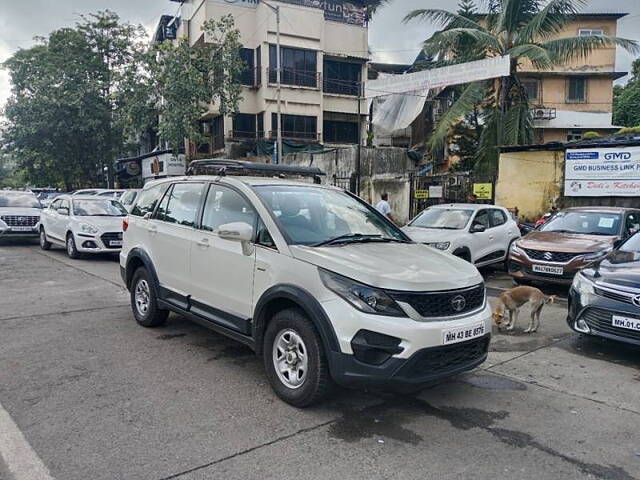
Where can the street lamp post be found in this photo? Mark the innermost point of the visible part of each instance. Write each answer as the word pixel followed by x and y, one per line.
pixel 276 9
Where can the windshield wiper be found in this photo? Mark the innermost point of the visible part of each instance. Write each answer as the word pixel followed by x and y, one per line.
pixel 598 233
pixel 349 237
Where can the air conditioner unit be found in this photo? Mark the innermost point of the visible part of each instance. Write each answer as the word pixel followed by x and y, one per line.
pixel 539 113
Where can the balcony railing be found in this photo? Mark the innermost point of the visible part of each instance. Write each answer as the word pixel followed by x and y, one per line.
pixel 241 135
pixel 290 135
pixel 298 78
pixel 341 87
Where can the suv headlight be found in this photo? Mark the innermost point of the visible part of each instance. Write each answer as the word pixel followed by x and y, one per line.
pixel 88 228
pixel 364 298
pixel 583 287
pixel 515 248
pixel 592 257
pixel 440 245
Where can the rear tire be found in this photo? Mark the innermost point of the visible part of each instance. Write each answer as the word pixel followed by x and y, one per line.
pixel 44 243
pixel 72 251
pixel 295 360
pixel 144 300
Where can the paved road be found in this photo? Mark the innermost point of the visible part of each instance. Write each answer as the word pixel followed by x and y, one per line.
pixel 91 395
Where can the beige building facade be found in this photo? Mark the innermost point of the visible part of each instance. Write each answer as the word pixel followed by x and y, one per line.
pixel 324 51
pixel 577 97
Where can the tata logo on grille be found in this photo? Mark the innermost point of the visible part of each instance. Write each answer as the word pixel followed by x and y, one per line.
pixel 458 303
pixel 617 156
pixel 548 256
pixel 636 300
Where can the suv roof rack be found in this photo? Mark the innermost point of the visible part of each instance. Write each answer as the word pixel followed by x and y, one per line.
pixel 241 167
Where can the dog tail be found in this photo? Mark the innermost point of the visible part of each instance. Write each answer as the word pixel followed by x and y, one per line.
pixel 550 299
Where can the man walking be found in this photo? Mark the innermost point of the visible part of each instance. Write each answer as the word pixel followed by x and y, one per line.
pixel 383 206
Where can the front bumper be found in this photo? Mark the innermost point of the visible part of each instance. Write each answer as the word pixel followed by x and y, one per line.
pixel 521 268
pixel 98 243
pixel 596 312
pixel 423 367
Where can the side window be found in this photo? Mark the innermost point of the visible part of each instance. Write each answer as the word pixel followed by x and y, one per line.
pixel 263 236
pixel 180 205
pixel 482 218
pixel 148 199
pixel 64 204
pixel 224 205
pixel 498 217
pixel 55 205
pixel 632 224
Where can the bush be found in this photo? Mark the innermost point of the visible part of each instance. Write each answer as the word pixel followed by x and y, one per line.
pixel 625 130
pixel 591 135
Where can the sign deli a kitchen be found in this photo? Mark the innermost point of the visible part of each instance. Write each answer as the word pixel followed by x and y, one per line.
pixel 602 172
pixel 344 11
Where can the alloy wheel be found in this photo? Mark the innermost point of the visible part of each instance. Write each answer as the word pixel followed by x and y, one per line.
pixel 290 358
pixel 142 297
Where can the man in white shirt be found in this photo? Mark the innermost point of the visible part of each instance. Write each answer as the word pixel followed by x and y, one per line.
pixel 383 206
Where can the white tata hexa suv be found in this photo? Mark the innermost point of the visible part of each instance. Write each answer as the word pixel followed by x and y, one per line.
pixel 319 284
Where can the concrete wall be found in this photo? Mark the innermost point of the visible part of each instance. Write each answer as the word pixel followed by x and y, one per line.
pixel 383 170
pixel 530 181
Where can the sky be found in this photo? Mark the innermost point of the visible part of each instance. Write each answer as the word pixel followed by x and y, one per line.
pixel 390 40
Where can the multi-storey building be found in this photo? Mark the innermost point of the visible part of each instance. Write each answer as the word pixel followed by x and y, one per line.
pixel 324 51
pixel 577 97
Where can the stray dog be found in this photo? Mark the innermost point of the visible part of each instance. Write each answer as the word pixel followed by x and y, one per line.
pixel 513 299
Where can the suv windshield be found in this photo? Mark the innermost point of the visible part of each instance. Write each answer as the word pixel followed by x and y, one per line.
pixel 15 199
pixel 446 218
pixel 589 223
pixel 318 216
pixel 98 208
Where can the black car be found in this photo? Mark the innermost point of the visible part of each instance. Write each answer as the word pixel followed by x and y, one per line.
pixel 604 299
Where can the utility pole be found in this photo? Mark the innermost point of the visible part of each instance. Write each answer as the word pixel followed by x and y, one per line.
pixel 276 9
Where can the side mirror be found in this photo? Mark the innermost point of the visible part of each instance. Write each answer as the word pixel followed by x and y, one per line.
pixel 239 232
pixel 63 211
pixel 477 228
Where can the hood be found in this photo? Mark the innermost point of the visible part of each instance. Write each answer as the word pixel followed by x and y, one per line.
pixel 430 235
pixel 27 212
pixel 393 266
pixel 566 242
pixel 113 224
pixel 619 268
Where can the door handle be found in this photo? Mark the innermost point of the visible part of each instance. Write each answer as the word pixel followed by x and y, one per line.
pixel 204 243
pixel 152 229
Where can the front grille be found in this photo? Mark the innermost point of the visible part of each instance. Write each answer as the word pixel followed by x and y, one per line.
pixel 619 297
pixel 443 304
pixel 600 320
pixel 432 361
pixel 21 220
pixel 547 256
pixel 109 236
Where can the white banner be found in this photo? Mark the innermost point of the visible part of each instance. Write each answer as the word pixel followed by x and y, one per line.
pixel 602 172
pixel 440 77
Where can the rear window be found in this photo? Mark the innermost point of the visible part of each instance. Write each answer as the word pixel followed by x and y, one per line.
pixel 148 199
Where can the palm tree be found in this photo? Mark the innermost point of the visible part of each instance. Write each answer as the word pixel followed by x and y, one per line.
pixel 527 31
pixel 373 5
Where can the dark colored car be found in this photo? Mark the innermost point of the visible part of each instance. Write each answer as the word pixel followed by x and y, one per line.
pixel 604 299
pixel 570 241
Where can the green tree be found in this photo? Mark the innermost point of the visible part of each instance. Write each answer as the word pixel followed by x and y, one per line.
pixel 626 100
pixel 187 79
pixel 527 30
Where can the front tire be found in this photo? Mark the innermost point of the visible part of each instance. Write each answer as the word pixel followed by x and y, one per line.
pixel 72 250
pixel 295 360
pixel 44 243
pixel 144 300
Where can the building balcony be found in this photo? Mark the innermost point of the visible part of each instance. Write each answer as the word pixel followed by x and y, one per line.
pixel 295 78
pixel 239 135
pixel 290 135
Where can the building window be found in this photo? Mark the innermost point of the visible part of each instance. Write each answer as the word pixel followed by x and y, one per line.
pixel 532 89
pixel 577 89
pixel 247 77
pixel 296 126
pixel 340 132
pixel 574 135
pixel 244 126
pixel 590 32
pixel 299 67
pixel 342 77
pixel 217 133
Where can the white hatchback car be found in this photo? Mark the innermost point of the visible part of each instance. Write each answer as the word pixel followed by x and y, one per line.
pixel 479 234
pixel 312 278
pixel 83 224
pixel 19 213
